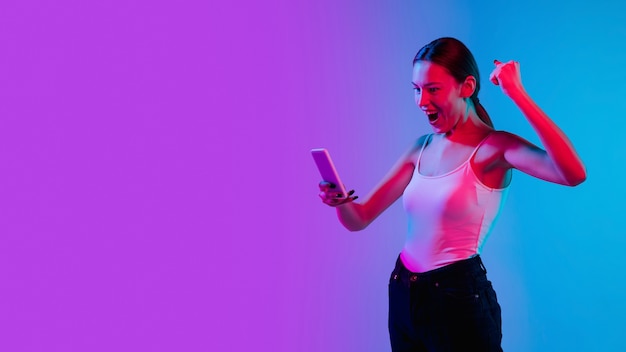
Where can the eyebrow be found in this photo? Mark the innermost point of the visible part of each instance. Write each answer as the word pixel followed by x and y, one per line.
pixel 427 84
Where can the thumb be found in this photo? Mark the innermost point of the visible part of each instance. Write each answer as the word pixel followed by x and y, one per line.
pixel 494 79
pixel 496 62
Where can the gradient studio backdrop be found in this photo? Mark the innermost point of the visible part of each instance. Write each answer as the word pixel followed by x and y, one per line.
pixel 157 191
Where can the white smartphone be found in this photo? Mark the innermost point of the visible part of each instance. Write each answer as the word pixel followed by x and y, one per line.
pixel 327 169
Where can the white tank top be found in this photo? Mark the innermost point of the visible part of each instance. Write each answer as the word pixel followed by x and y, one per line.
pixel 450 216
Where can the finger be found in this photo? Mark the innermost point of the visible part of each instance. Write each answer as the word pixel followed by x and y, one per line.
pixel 493 78
pixel 496 62
pixel 328 200
pixel 337 199
pixel 338 202
pixel 324 185
pixel 349 199
pixel 328 184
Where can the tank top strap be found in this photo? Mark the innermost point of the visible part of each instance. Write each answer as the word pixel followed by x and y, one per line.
pixel 478 146
pixel 426 141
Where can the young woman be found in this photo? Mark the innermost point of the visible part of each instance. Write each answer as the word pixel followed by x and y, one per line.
pixel 453 184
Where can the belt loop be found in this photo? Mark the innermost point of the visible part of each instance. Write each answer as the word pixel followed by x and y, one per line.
pixel 482 266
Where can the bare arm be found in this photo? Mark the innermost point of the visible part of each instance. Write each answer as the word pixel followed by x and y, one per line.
pixel 356 216
pixel 559 162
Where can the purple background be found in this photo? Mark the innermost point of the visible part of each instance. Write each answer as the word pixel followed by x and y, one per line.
pixel 157 191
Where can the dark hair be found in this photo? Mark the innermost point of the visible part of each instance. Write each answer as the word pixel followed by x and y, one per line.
pixel 455 57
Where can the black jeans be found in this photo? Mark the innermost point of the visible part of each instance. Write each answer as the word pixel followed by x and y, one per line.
pixel 452 308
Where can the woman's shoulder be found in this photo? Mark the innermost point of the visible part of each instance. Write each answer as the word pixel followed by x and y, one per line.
pixel 418 144
pixel 503 139
pixel 422 140
pixel 498 143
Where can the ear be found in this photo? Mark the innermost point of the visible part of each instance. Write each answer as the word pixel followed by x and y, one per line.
pixel 468 87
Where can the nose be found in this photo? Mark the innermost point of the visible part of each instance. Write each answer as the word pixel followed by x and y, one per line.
pixel 421 99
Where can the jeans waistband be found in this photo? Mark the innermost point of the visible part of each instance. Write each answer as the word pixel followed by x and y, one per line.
pixel 464 269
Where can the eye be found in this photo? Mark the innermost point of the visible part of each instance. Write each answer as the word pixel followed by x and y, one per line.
pixel 433 89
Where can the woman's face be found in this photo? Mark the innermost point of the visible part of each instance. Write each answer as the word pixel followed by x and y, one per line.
pixel 438 95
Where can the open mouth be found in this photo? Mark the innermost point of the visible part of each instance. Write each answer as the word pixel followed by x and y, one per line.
pixel 432 116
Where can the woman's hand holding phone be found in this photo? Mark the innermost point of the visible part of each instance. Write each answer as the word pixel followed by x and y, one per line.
pixel 332 190
pixel 330 196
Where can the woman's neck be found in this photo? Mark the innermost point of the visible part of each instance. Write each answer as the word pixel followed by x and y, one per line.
pixel 468 130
